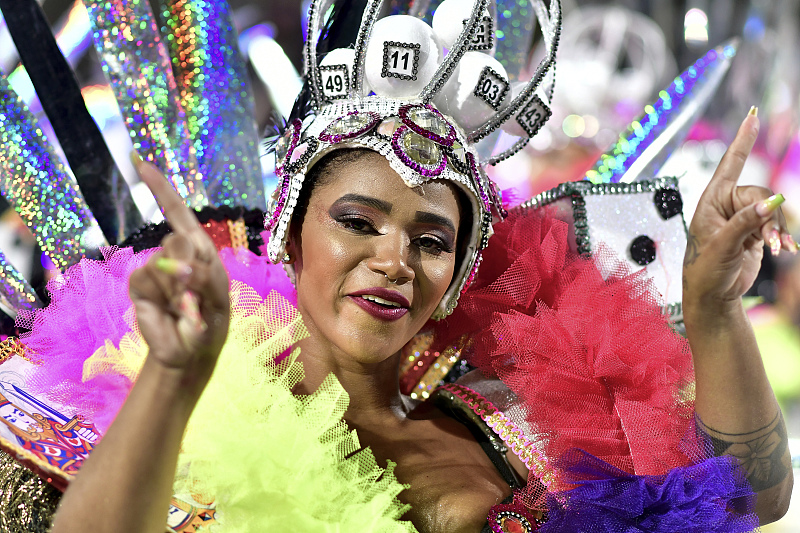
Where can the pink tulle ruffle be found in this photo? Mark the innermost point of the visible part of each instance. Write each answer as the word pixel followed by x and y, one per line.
pixel 89 306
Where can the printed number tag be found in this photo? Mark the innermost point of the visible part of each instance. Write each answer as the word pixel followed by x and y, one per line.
pixel 491 88
pixel 483 38
pixel 335 81
pixel 533 115
pixel 400 60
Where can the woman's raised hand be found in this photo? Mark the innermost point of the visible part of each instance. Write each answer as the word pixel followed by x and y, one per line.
pixel 181 294
pixel 730 225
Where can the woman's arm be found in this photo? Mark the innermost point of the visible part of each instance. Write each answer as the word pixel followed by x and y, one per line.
pixel 735 406
pixel 182 309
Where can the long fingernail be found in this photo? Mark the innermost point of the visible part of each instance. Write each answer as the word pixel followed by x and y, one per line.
pixel 769 205
pixel 788 240
pixel 753 111
pixel 136 159
pixel 775 242
pixel 174 267
pixel 191 310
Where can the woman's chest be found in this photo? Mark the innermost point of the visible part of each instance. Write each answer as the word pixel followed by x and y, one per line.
pixel 453 482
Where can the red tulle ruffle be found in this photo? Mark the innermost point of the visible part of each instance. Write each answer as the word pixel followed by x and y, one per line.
pixel 594 361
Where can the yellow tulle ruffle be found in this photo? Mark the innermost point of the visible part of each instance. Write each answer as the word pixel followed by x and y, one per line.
pixel 274 461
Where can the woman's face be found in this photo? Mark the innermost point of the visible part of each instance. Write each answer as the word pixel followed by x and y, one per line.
pixel 373 258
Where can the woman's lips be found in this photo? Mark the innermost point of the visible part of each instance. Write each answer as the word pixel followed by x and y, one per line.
pixel 396 304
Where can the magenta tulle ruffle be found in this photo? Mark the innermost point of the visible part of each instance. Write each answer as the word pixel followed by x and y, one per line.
pixel 89 306
pixel 712 496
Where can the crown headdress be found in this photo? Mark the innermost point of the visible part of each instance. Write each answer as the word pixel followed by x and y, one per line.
pixel 438 101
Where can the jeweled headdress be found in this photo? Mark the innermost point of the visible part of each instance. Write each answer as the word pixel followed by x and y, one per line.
pixel 438 100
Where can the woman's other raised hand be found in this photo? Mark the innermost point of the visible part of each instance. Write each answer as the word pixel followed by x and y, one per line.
pixel 727 232
pixel 735 406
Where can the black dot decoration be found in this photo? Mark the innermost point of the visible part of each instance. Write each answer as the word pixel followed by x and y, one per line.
pixel 668 202
pixel 643 250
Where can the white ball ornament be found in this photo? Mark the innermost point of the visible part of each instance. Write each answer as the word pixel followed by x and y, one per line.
pixel 402 56
pixel 532 113
pixel 449 21
pixel 478 89
pixel 336 74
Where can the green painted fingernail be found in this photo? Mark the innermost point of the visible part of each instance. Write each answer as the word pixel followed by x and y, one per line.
pixel 769 205
pixel 136 159
pixel 173 267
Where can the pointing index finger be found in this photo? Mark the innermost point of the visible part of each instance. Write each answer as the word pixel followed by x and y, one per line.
pixel 730 167
pixel 180 218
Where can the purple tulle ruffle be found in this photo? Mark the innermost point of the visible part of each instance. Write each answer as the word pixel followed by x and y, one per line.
pixel 712 496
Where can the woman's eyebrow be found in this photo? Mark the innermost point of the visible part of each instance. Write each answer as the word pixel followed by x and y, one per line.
pixel 368 201
pixel 433 218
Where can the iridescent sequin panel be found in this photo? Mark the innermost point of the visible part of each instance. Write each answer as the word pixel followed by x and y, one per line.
pixel 41 189
pixel 137 65
pixel 212 80
pixel 15 292
pixel 649 141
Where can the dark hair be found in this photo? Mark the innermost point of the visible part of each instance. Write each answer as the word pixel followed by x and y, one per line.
pixel 322 172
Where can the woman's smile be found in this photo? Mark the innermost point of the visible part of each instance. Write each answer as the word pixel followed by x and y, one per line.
pixel 381 303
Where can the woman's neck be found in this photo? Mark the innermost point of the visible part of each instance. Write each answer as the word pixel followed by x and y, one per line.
pixel 373 389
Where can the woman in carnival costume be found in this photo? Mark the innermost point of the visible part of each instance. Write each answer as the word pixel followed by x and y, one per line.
pixel 581 415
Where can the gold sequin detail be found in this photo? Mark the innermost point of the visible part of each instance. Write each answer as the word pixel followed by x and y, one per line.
pixel 27 503
pixel 11 347
pixel 435 374
pixel 238 231
pixel 508 432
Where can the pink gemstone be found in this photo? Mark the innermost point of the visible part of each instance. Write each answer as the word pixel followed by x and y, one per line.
pixel 512 524
pixel 298 152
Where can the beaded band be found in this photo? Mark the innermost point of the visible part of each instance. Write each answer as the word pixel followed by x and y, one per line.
pixel 508 432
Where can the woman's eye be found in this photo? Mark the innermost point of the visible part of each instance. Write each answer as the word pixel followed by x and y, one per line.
pixel 433 245
pixel 359 225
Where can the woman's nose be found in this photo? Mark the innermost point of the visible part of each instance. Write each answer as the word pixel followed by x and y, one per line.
pixel 391 258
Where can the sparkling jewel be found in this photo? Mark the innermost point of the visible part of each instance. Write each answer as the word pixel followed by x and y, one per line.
pixel 349 126
pixel 402 56
pixel 420 149
pixel 283 145
pixel 458 99
pixel 430 122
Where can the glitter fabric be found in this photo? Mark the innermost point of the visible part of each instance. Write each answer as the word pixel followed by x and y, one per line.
pixel 105 190
pixel 40 188
pixel 137 65
pixel 514 33
pixel 211 78
pixel 14 290
pixel 27 503
pixel 649 141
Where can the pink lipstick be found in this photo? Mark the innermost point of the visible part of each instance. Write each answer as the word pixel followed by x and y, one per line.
pixel 381 303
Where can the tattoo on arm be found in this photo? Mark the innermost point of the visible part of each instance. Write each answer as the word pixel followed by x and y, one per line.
pixel 763 454
pixel 692 249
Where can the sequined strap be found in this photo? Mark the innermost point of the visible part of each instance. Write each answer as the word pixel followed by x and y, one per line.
pixel 508 432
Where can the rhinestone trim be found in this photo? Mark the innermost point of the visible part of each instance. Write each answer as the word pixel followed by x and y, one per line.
pixel 455 54
pixel 429 171
pixel 386 73
pixel 337 138
pixel 508 432
pixel 445 141
pixel 488 44
pixel 345 81
pixel 486 75
pixel 362 41
pixel 542 69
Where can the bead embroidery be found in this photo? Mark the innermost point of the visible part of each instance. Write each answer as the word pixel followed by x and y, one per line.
pixel 514 438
